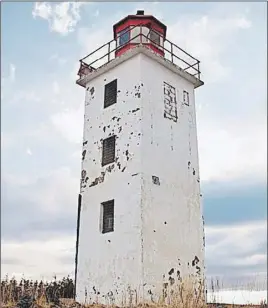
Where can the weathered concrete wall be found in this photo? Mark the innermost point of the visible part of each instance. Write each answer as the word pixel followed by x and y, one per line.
pixel 110 263
pixel 172 236
pixel 155 184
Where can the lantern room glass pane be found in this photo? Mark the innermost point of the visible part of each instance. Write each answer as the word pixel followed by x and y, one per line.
pixel 155 37
pixel 124 36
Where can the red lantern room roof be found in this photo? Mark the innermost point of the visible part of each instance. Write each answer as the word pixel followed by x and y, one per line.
pixel 140 29
pixel 140 18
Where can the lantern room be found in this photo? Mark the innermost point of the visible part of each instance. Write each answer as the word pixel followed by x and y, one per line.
pixel 131 34
pixel 139 29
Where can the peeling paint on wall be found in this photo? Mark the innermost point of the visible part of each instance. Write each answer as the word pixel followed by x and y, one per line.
pixel 84 154
pixel 98 180
pixel 135 110
pixel 155 180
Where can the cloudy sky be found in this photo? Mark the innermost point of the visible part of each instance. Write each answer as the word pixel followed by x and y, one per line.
pixel 42 121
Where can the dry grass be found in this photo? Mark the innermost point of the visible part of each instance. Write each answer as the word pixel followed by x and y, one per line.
pixel 73 304
pixel 182 297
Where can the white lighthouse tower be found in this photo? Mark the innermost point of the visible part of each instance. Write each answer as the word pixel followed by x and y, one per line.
pixel 140 228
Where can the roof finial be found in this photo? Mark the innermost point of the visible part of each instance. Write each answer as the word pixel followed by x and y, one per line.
pixel 140 12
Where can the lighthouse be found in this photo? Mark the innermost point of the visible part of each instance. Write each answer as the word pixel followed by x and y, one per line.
pixel 140 232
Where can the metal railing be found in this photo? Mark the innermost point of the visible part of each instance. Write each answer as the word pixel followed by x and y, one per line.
pixel 171 52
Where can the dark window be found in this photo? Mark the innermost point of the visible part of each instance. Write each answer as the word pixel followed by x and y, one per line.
pixel 155 37
pixel 108 150
pixel 124 36
pixel 186 98
pixel 108 216
pixel 110 93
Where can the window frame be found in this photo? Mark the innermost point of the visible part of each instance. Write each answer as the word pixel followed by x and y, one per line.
pixel 108 161
pixel 121 35
pixel 186 98
pixel 107 92
pixel 158 43
pixel 103 225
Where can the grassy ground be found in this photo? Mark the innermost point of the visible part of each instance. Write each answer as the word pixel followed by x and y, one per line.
pixel 70 303
pixel 75 305
pixel 13 293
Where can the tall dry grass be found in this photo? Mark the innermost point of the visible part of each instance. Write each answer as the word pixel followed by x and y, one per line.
pixel 42 291
pixel 47 294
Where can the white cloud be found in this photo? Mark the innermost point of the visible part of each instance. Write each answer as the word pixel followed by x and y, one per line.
pixel 235 151
pixel 206 38
pixel 56 87
pixel 236 233
pixel 29 152
pixel 54 192
pixel 16 180
pixel 12 72
pixel 62 18
pixel 236 256
pixel 8 140
pixel 69 123
pixel 38 259
pixel 58 59
pixel 49 200
pixel 23 95
pixel 42 9
pixel 96 13
pixel 92 39
pixel 226 244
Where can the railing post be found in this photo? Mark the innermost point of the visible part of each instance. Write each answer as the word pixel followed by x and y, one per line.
pixel 198 67
pixel 109 50
pixel 140 34
pixel 171 50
